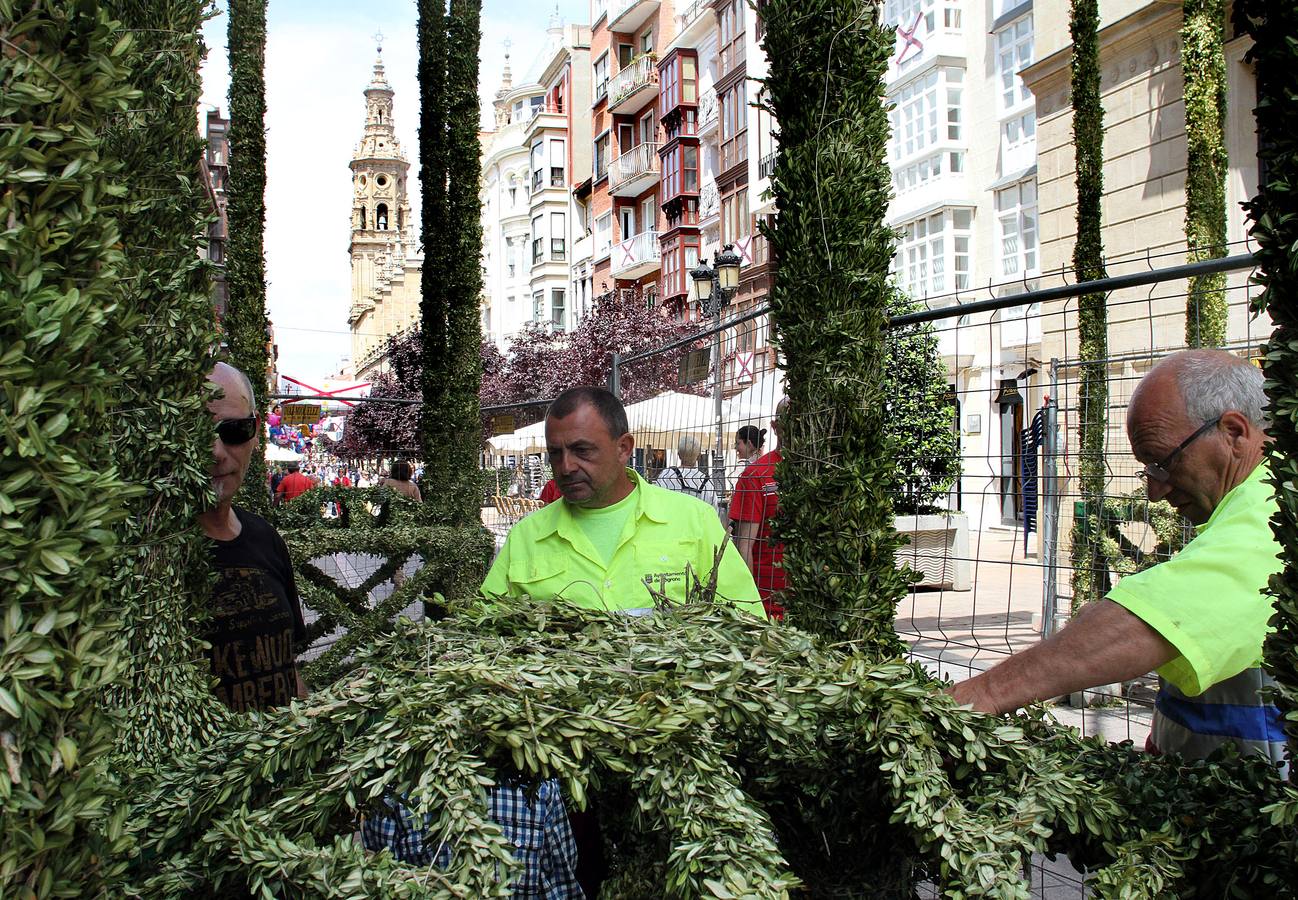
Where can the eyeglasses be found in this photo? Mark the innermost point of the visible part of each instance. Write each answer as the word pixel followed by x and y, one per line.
pixel 1162 471
pixel 236 432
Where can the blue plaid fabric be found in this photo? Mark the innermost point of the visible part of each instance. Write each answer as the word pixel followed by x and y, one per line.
pixel 539 831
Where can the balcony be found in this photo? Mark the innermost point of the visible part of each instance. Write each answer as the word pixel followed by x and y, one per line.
pixel 636 256
pixel 708 109
pixel 635 171
pixel 766 165
pixel 626 16
pixel 635 87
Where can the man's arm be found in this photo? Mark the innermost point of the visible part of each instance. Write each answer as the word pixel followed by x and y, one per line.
pixel 496 583
pixel 1103 645
pixel 745 537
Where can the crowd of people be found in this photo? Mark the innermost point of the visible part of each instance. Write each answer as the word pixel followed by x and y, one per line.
pixel 611 540
pixel 292 479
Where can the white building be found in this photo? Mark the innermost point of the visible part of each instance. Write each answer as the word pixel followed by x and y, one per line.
pixel 963 157
pixel 529 219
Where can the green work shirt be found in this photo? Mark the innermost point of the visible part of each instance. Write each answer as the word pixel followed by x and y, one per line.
pixel 547 555
pixel 1208 601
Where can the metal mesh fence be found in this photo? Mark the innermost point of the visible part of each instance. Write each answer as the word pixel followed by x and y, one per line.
pixel 993 554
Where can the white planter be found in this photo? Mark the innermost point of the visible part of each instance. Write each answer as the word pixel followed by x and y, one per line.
pixel 938 549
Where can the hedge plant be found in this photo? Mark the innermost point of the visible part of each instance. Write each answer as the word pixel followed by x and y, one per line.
pixel 64 353
pixel 1274 214
pixel 161 427
pixel 380 523
pixel 246 326
pixel 1089 575
pixel 1203 62
pixel 829 306
pixel 449 154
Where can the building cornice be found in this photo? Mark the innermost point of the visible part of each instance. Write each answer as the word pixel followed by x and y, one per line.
pixel 1114 39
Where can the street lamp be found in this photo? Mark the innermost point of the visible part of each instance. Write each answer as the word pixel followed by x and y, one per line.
pixel 713 286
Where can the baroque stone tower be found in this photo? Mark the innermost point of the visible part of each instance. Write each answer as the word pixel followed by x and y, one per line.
pixel 382 242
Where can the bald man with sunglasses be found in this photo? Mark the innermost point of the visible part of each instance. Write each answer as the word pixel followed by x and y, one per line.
pixel 1197 423
pixel 256 616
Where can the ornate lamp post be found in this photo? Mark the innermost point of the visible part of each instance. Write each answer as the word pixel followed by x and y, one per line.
pixel 713 287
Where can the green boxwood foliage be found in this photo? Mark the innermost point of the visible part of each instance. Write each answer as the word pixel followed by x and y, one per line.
pixel 1090 578
pixel 246 325
pixel 450 172
pixel 830 304
pixel 381 523
pixel 1274 212
pixel 65 352
pixel 1203 62
pixel 161 427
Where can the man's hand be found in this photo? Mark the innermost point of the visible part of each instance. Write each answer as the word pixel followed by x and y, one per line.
pixel 972 693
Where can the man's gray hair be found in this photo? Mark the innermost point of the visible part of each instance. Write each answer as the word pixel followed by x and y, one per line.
pixel 688 446
pixel 1211 383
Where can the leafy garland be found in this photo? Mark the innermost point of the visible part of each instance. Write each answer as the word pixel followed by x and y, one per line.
pixel 246 324
pixel 1274 212
pixel 376 522
pixel 450 171
pixel 67 72
pixel 829 305
pixel 1089 576
pixel 1170 529
pixel 162 702
pixel 1203 63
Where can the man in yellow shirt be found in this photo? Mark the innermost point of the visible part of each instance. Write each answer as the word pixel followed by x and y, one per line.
pixel 614 541
pixel 1197 422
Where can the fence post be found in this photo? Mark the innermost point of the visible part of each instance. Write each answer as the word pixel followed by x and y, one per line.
pixel 1050 508
pixel 615 376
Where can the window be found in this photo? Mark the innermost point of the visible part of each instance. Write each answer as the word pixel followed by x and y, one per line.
pixel 486 319
pixel 600 77
pixel 735 222
pixel 734 126
pixel 362 219
pixel 678 83
pixel 1016 132
pixel 601 156
pixel 927 119
pixel 603 235
pixel 678 258
pixel 647 41
pixel 381 217
pixel 680 171
pixel 933 256
pixel 730 17
pixel 558 247
pixel 1013 54
pixel 625 56
pixel 538 164
pixel 689 79
pixel 1016 213
pixel 538 306
pixel 509 257
pixel 558 161
pixel 538 239
pixel 558 308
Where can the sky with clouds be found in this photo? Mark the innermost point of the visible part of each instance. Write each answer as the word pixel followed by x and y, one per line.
pixel 319 57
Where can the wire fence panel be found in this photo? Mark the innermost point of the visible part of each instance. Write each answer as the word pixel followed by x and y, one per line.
pixel 993 553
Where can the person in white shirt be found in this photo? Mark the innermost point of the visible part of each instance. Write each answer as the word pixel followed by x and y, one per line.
pixel 687 478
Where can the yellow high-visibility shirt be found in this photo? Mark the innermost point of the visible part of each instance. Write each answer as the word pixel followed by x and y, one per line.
pixel 548 556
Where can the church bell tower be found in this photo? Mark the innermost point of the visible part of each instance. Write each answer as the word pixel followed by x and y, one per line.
pixel 381 230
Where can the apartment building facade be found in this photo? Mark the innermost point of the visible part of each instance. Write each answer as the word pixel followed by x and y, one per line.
pixel 963 157
pixel 530 222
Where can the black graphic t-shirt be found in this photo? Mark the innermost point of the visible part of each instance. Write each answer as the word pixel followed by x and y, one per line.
pixel 256 617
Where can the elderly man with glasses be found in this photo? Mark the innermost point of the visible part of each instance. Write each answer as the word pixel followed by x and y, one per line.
pixel 256 616
pixel 1196 421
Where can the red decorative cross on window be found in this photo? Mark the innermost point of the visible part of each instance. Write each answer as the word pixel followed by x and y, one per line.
pixel 910 39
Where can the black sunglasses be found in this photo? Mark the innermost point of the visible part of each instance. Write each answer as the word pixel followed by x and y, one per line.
pixel 1162 471
pixel 235 432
